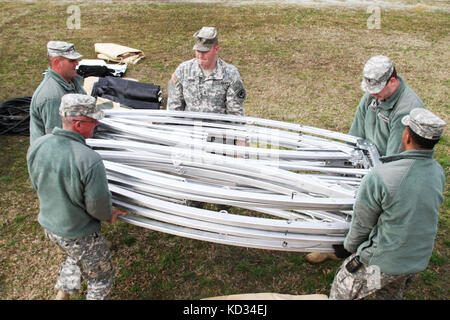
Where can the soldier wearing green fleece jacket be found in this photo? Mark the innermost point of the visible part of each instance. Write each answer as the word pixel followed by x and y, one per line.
pixel 386 101
pixel 61 78
pixel 395 216
pixel 70 180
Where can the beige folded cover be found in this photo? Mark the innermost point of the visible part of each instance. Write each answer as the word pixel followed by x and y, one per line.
pixel 118 53
pixel 269 296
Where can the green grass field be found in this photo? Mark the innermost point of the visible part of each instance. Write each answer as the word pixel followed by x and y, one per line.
pixel 300 65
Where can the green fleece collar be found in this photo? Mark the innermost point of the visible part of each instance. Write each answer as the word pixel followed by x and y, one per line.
pixel 60 80
pixel 411 154
pixel 69 134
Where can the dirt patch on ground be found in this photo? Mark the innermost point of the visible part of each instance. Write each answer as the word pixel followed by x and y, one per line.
pixel 397 5
pixel 387 5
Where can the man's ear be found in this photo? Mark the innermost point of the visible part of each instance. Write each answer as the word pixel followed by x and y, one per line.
pixel 393 80
pixel 408 137
pixel 76 126
pixel 54 63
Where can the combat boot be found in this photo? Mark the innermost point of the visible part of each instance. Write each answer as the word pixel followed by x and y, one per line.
pixel 108 243
pixel 62 295
pixel 319 257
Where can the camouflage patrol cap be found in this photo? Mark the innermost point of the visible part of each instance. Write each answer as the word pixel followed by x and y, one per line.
pixel 78 105
pixel 376 73
pixel 424 123
pixel 62 49
pixel 205 39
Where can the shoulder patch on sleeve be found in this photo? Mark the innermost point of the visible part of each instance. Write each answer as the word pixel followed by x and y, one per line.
pixel 238 88
pixel 174 79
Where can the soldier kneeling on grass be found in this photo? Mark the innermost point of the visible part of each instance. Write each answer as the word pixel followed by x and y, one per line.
pixel 70 180
pixel 395 217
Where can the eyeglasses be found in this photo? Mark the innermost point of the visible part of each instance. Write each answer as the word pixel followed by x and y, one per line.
pixel 89 121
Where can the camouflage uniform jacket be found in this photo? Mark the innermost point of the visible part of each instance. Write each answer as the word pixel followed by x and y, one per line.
pixel 380 122
pixel 44 108
pixel 70 180
pixel 221 92
pixel 395 216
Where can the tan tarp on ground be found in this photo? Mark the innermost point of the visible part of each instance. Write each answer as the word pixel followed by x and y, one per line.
pixel 118 53
pixel 270 296
pixel 88 84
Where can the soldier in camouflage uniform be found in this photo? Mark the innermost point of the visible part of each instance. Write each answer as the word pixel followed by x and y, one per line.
pixel 70 180
pixel 61 78
pixel 206 83
pixel 386 101
pixel 395 217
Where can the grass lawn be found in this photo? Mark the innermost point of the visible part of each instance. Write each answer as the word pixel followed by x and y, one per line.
pixel 298 64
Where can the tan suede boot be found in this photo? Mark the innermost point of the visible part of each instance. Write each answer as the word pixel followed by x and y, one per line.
pixel 319 257
pixel 62 295
pixel 108 244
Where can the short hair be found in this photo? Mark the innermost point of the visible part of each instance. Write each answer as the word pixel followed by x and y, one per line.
pixel 51 58
pixel 393 74
pixel 422 142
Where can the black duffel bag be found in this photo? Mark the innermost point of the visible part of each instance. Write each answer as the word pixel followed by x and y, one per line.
pixel 133 94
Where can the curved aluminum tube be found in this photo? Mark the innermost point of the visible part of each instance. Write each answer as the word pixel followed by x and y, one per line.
pixel 240 119
pixel 197 133
pixel 158 137
pixel 268 199
pixel 173 195
pixel 154 166
pixel 292 137
pixel 223 238
pixel 246 132
pixel 230 230
pixel 232 219
pixel 304 183
pixel 223 178
pixel 142 159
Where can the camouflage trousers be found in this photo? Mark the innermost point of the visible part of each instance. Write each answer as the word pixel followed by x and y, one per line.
pixel 87 257
pixel 368 281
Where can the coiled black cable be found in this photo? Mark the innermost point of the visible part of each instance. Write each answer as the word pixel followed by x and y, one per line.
pixel 15 116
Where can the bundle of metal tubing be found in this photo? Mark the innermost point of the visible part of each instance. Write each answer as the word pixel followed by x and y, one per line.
pixel 295 185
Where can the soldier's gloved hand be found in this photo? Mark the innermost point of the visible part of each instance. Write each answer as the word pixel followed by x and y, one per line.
pixel 340 252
